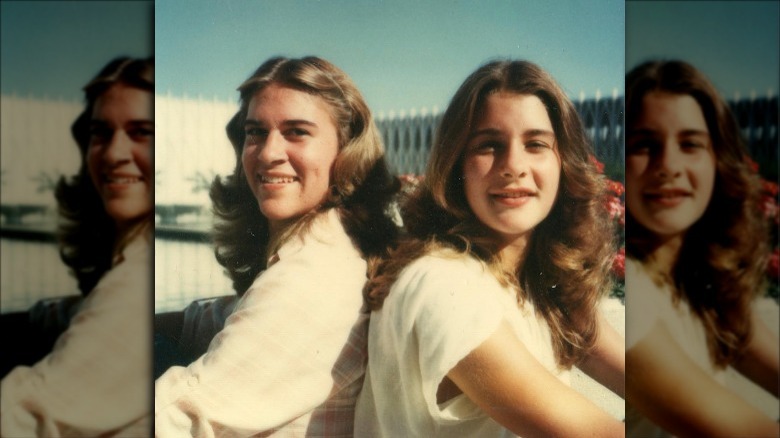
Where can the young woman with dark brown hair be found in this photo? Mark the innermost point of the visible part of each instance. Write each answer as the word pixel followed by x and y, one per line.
pixel 492 298
pixel 697 249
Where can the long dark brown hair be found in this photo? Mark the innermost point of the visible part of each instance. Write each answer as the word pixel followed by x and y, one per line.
pixel 723 257
pixel 361 186
pixel 88 234
pixel 566 269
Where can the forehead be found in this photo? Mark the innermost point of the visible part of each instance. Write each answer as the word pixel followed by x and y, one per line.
pixel 517 110
pixel 124 102
pixel 279 102
pixel 661 111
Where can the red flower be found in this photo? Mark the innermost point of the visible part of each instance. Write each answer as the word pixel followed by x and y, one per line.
pixel 616 209
pixel 770 188
pixel 410 182
pixel 769 208
pixel 619 264
pixel 752 164
pixel 615 187
pixel 599 165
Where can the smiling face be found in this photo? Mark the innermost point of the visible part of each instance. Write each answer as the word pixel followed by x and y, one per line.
pixel 291 144
pixel 670 164
pixel 511 168
pixel 119 156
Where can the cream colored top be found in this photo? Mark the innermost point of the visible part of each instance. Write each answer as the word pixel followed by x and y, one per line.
pixel 441 307
pixel 648 304
pixel 291 358
pixel 96 380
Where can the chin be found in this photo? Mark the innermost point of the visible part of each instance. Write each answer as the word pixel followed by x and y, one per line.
pixel 126 214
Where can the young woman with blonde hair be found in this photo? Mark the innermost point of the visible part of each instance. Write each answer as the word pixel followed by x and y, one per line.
pixel 96 379
pixel 492 297
pixel 298 220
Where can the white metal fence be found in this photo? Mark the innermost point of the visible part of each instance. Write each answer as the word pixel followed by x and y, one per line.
pixel 191 148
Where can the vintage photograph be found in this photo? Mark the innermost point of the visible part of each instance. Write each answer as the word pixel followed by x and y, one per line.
pixel 702 349
pixel 389 218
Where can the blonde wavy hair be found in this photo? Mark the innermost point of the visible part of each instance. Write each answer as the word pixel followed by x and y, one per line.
pixel 361 186
pixel 566 270
pixel 87 235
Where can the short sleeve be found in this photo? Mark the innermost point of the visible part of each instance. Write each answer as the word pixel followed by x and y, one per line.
pixel 450 306
pixel 643 303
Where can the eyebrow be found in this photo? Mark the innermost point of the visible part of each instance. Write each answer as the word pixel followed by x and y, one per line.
pixel 685 132
pixel 526 134
pixel 136 122
pixel 293 122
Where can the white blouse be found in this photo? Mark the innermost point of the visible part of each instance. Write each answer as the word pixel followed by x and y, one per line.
pixel 441 307
pixel 97 378
pixel 291 358
pixel 648 304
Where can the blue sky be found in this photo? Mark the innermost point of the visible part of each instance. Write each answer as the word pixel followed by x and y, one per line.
pixel 401 54
pixel 51 48
pixel 735 43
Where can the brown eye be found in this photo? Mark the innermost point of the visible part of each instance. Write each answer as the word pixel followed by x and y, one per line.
pixel 99 134
pixel 296 132
pixel 641 146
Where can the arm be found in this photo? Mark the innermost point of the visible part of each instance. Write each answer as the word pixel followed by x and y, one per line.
pixel 761 360
pixel 671 390
pixel 509 384
pixel 96 379
pixel 274 360
pixel 606 362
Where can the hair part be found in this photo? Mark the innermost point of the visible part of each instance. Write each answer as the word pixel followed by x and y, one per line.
pixel 566 269
pixel 723 257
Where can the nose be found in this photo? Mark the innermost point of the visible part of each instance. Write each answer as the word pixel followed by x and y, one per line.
pixel 119 148
pixel 667 160
pixel 515 160
pixel 273 150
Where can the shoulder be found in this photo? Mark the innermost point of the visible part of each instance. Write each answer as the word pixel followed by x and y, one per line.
pixel 449 270
pixel 445 285
pixel 320 261
pixel 325 235
pixel 647 302
pixel 641 288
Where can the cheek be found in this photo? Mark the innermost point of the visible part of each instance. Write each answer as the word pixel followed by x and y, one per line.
pixel 703 171
pixel 320 164
pixel 635 168
pixel 476 168
pixel 247 163
pixel 92 160
pixel 143 159
pixel 554 173
pixel 475 181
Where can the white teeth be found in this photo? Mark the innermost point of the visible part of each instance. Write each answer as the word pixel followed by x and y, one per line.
pixel 122 179
pixel 276 179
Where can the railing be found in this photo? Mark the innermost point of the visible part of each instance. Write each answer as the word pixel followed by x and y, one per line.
pixel 758 119
pixel 191 148
pixel 408 136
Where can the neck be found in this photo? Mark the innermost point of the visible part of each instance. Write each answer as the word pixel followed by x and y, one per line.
pixel 125 232
pixel 664 255
pixel 513 253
